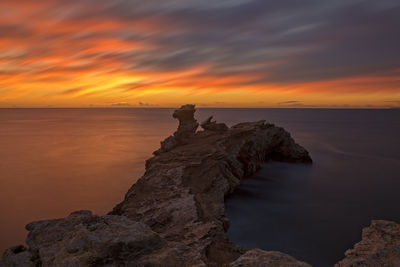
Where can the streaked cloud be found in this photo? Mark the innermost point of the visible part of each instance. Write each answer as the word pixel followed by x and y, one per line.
pixel 289 102
pixel 235 52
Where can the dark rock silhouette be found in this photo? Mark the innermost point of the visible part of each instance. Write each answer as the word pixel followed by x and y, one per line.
pixel 210 125
pixel 187 123
pixel 174 215
pixel 187 127
pixel 17 256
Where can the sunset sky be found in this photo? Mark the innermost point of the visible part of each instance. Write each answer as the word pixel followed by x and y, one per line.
pixel 225 53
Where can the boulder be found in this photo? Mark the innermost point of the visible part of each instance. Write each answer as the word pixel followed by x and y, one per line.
pixel 83 239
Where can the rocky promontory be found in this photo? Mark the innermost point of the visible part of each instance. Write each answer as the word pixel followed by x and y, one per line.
pixel 174 215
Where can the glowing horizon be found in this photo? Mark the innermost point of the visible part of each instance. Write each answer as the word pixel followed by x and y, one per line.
pixel 237 53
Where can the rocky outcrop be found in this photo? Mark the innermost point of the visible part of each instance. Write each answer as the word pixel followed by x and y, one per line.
pixel 261 258
pixel 83 239
pixel 380 246
pixel 210 125
pixel 174 215
pixel 187 123
pixel 88 240
pixel 17 256
pixel 181 195
pixel 187 128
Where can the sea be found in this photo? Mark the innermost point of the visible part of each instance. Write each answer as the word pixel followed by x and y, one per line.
pixel 55 161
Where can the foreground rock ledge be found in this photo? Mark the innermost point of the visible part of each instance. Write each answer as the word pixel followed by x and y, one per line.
pixel 175 214
pixel 380 246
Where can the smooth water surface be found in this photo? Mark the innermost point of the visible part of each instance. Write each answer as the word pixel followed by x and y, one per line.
pixel 55 161
pixel 315 212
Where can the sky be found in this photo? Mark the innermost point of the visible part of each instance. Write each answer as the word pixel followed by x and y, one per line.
pixel 225 53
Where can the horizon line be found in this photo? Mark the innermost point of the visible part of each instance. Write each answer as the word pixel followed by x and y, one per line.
pixel 202 107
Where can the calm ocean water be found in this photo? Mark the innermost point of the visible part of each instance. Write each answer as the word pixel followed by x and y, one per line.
pixel 54 161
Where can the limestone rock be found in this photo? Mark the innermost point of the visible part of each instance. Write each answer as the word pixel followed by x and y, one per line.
pixel 210 125
pixel 379 246
pixel 261 258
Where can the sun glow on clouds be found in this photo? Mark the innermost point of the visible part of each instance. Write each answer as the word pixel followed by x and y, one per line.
pixel 165 53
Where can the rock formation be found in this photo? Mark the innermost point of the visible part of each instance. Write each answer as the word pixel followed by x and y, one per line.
pixel 380 246
pixel 187 128
pixel 18 256
pixel 261 258
pixel 174 215
pixel 187 123
pixel 188 185
pixel 209 125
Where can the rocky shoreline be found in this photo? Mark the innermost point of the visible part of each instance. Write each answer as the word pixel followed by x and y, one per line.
pixel 175 214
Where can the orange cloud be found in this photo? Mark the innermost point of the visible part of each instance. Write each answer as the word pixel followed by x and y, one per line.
pixel 49 54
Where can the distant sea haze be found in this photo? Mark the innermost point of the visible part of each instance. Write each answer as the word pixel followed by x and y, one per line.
pixel 55 161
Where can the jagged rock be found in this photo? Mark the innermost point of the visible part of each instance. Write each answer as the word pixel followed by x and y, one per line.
pixel 261 258
pixel 16 256
pixel 166 145
pixel 188 185
pixel 187 123
pixel 187 127
pixel 83 239
pixel 210 125
pixel 379 246
pixel 174 215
